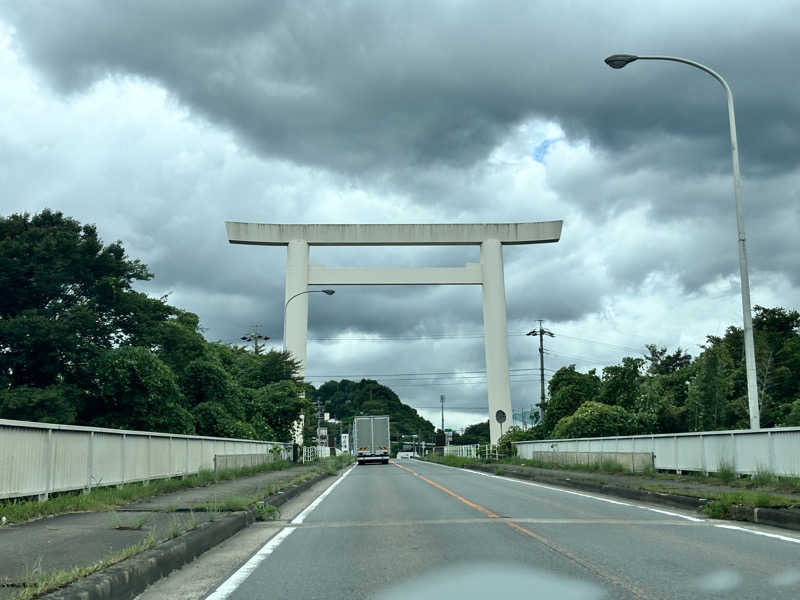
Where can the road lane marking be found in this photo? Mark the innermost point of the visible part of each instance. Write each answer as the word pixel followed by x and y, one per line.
pixel 234 581
pixel 598 571
pixel 485 521
pixel 477 507
pixel 574 493
pixel 776 536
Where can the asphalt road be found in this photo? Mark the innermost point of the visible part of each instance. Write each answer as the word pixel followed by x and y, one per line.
pixel 419 530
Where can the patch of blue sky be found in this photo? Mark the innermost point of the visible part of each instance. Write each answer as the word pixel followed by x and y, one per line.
pixel 540 151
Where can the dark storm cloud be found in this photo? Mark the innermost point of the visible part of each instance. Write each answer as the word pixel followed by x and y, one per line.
pixel 381 86
pixel 411 112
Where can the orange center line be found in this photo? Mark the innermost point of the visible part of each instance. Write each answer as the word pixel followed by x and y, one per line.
pixel 477 507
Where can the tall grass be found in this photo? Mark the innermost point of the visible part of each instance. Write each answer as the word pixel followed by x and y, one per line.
pixel 726 471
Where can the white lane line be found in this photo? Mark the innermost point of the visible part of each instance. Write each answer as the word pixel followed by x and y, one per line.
pixel 584 495
pixel 234 581
pixel 776 536
pixel 673 514
pixel 307 510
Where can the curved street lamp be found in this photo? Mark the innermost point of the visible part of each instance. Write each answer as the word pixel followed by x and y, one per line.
pixel 618 61
pixel 327 292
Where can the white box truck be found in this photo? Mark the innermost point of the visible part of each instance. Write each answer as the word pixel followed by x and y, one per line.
pixel 371 439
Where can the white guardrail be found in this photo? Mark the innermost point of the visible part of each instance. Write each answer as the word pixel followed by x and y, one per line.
pixel 312 453
pixel 37 459
pixel 468 451
pixel 747 451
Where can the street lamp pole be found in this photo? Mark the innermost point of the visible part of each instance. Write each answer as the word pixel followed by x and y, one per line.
pixel 302 393
pixel 286 306
pixel 617 61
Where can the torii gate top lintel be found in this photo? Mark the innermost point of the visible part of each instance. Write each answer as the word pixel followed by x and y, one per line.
pixel 449 234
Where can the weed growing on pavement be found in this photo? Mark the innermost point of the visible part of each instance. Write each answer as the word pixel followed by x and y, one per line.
pixel 726 471
pixel 117 522
pixel 37 582
pixel 107 498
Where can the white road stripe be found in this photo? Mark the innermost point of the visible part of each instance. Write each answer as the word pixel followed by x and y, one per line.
pixel 302 516
pixel 234 581
pixel 582 494
pixel 673 514
pixel 776 536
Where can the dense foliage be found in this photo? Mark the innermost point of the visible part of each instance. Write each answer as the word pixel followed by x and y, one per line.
pixel 346 399
pixel 473 434
pixel 78 345
pixel 667 393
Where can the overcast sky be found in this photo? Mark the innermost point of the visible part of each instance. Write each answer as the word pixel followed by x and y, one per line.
pixel 159 121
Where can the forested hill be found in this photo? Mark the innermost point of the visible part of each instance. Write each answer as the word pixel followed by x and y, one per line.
pixel 346 399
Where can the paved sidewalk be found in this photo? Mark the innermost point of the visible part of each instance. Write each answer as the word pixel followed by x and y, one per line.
pixel 81 539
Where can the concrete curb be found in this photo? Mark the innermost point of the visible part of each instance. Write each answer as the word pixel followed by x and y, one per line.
pixel 786 518
pixel 128 578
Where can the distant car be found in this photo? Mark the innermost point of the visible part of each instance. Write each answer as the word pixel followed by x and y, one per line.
pixel 407 455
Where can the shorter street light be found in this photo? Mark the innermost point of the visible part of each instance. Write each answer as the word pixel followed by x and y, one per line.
pixel 327 292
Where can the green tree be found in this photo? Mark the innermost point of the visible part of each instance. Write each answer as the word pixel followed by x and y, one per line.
pixel 656 410
pixel 595 419
pixel 72 298
pixel 662 363
pixel 134 389
pixel 710 390
pixel 568 390
pixel 473 434
pixel 621 383
pixel 273 409
pixel 54 404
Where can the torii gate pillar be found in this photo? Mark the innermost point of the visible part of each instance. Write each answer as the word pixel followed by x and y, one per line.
pixel 489 274
pixel 495 335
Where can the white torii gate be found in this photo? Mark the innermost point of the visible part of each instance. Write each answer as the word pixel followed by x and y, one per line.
pixel 488 274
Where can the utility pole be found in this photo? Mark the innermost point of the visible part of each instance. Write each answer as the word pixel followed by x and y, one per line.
pixel 441 399
pixel 541 332
pixel 254 336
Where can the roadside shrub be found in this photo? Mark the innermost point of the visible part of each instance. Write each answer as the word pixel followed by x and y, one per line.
pixel 595 419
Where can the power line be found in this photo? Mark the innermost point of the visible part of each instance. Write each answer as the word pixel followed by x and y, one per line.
pixel 459 373
pixel 571 337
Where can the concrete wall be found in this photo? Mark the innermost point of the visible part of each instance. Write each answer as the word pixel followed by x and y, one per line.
pixel 748 451
pixel 41 458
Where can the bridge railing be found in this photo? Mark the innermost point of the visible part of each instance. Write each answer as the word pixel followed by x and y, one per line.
pixel 37 459
pixel 467 451
pixel 747 451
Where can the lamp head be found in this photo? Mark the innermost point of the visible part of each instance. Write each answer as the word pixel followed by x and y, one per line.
pixel 328 292
pixel 617 61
